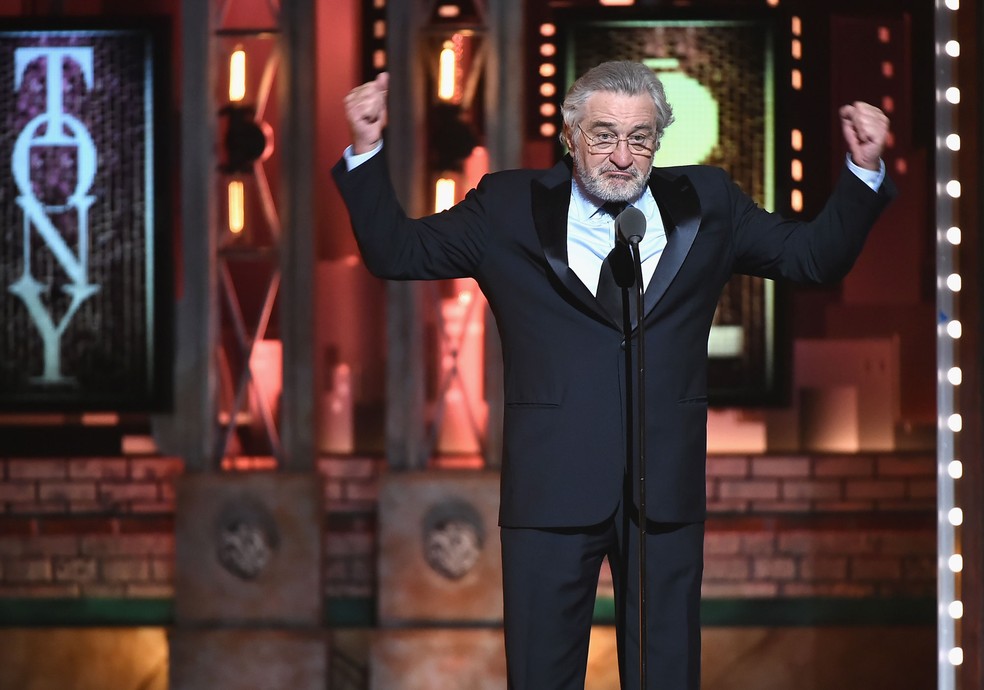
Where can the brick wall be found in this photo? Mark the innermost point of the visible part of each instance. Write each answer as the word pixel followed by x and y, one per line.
pixel 798 526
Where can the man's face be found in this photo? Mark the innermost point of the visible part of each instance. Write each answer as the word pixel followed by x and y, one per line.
pixel 622 173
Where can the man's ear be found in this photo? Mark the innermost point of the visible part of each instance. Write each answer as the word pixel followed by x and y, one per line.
pixel 565 138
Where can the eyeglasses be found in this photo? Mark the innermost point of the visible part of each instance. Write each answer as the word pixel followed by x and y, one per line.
pixel 606 142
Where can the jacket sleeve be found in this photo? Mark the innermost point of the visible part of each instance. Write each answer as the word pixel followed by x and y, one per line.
pixel 449 244
pixel 819 251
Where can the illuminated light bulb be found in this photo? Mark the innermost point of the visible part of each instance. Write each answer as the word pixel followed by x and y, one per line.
pixel 797 80
pixel 952 5
pixel 953 235
pixel 953 188
pixel 952 95
pixel 955 376
pixel 772 3
pixel 443 194
pixel 953 282
pixel 955 609
pixel 796 26
pixel 952 48
pixel 548 69
pixel 953 142
pixel 796 139
pixel 954 422
pixel 548 29
pixel 237 207
pixel 237 75
pixel 955 563
pixel 448 11
pixel 548 110
pixel 445 72
pixel 955 516
pixel 548 90
pixel 796 200
pixel 955 469
pixel 547 129
pixel 796 171
pixel 884 34
pixel 548 49
pixel 796 49
pixel 955 656
pixel 954 329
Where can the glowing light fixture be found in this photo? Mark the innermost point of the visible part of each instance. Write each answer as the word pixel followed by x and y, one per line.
pixel 237 75
pixel 446 72
pixel 443 194
pixel 237 206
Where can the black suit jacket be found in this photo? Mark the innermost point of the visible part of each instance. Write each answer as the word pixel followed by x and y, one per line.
pixel 564 446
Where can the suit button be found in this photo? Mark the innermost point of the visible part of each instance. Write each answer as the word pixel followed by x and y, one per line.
pixel 622 344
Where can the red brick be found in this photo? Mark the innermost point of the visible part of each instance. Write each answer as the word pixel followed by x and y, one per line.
pixel 919 488
pixel 101 590
pixel 362 492
pixel 812 490
pixel 905 543
pixel 76 569
pixel 722 543
pixel 347 468
pixel 875 568
pixel 40 591
pixel 21 570
pixel 781 467
pixel 907 466
pixel 18 492
pixel 875 489
pixel 827 589
pixel 162 569
pixel 825 543
pixel 726 568
pixel 117 492
pixel 729 506
pixel 97 468
pixel 153 507
pixel 919 569
pixel 821 568
pixel 751 489
pixel 37 469
pixel 67 491
pixel 739 590
pixel 76 525
pixel 128 545
pixel 727 467
pixel 45 508
pixel 844 466
pixel 758 544
pixel 780 507
pixel 155 468
pixel 843 506
pixel 773 568
pixel 126 569
pixel 149 590
pixel 51 545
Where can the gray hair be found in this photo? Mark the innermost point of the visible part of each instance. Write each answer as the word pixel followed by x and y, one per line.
pixel 620 76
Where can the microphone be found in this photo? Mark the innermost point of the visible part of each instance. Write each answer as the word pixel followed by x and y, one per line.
pixel 631 225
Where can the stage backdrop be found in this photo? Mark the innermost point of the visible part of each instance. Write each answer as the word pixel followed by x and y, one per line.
pixel 84 283
pixel 718 75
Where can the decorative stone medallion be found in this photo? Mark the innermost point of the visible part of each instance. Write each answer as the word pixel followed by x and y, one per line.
pixel 453 536
pixel 246 538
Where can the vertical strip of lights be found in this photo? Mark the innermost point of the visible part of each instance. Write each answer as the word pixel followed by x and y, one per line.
pixel 796 135
pixel 949 468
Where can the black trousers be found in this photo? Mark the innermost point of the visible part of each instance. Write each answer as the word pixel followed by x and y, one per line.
pixel 550 579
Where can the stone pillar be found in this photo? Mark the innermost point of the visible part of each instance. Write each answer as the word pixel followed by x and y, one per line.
pixel 440 583
pixel 248 592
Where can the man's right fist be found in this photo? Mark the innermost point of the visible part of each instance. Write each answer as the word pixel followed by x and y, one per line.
pixel 365 108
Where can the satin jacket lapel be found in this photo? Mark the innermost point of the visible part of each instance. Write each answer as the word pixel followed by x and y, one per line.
pixel 551 196
pixel 680 207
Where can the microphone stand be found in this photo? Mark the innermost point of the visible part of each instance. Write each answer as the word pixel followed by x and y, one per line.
pixel 633 241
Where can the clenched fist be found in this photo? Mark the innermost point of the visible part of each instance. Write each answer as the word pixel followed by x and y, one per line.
pixel 365 108
pixel 865 130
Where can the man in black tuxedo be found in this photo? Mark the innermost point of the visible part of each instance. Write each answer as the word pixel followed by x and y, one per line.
pixel 536 242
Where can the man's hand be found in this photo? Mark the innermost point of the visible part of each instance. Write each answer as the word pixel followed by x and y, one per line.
pixel 365 108
pixel 865 129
